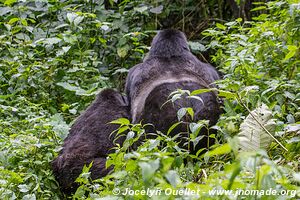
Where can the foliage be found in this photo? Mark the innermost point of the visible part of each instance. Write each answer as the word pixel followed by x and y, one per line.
pixel 56 55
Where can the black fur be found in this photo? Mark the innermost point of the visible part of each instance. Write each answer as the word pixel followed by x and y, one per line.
pixel 170 65
pixel 90 140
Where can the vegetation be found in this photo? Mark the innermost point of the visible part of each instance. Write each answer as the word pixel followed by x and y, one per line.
pixel 56 55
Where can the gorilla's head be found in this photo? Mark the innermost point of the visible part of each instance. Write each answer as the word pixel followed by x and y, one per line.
pixel 168 43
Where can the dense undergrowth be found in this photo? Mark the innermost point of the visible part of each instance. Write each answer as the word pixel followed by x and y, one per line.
pixel 56 55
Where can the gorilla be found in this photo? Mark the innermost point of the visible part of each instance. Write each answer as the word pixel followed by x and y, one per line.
pixel 90 140
pixel 170 66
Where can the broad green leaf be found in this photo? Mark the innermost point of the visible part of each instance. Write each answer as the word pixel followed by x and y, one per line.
pixel 29 197
pixel 76 89
pixel 190 112
pixel 200 91
pixel 122 129
pixel 141 9
pixel 71 17
pixel 220 150
pixel 227 94
pixel 9 2
pixel 13 20
pixel 54 40
pixel 221 26
pixel 123 51
pixel 24 22
pixel 78 20
pixel 122 121
pixel 148 169
pixel 181 113
pixel 173 178
pixel 292 51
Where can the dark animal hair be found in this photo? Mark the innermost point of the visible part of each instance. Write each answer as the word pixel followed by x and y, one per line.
pixel 169 66
pixel 90 140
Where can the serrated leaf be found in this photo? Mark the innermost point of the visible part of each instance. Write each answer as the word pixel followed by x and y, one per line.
pixel 122 51
pixel 252 136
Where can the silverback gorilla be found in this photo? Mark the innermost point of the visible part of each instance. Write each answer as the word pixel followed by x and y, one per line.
pixel 90 140
pixel 170 66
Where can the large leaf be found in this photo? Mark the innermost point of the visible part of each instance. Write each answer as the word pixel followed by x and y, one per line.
pixel 252 135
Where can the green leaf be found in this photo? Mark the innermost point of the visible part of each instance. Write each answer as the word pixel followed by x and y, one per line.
pixel 29 197
pixel 78 20
pixel 227 94
pixel 172 127
pixel 71 17
pixel 121 121
pixel 24 22
pixel 157 10
pixel 9 2
pixel 190 112
pixel 122 129
pixel 77 90
pixel 59 125
pixel 173 178
pixel 259 8
pixel 24 188
pixel 181 113
pixel 221 26
pixel 141 9
pixel 123 51
pixel 50 41
pixel 13 20
pixel 292 51
pixel 197 46
pixel 148 169
pixel 220 150
pixel 200 91
pixel 130 135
